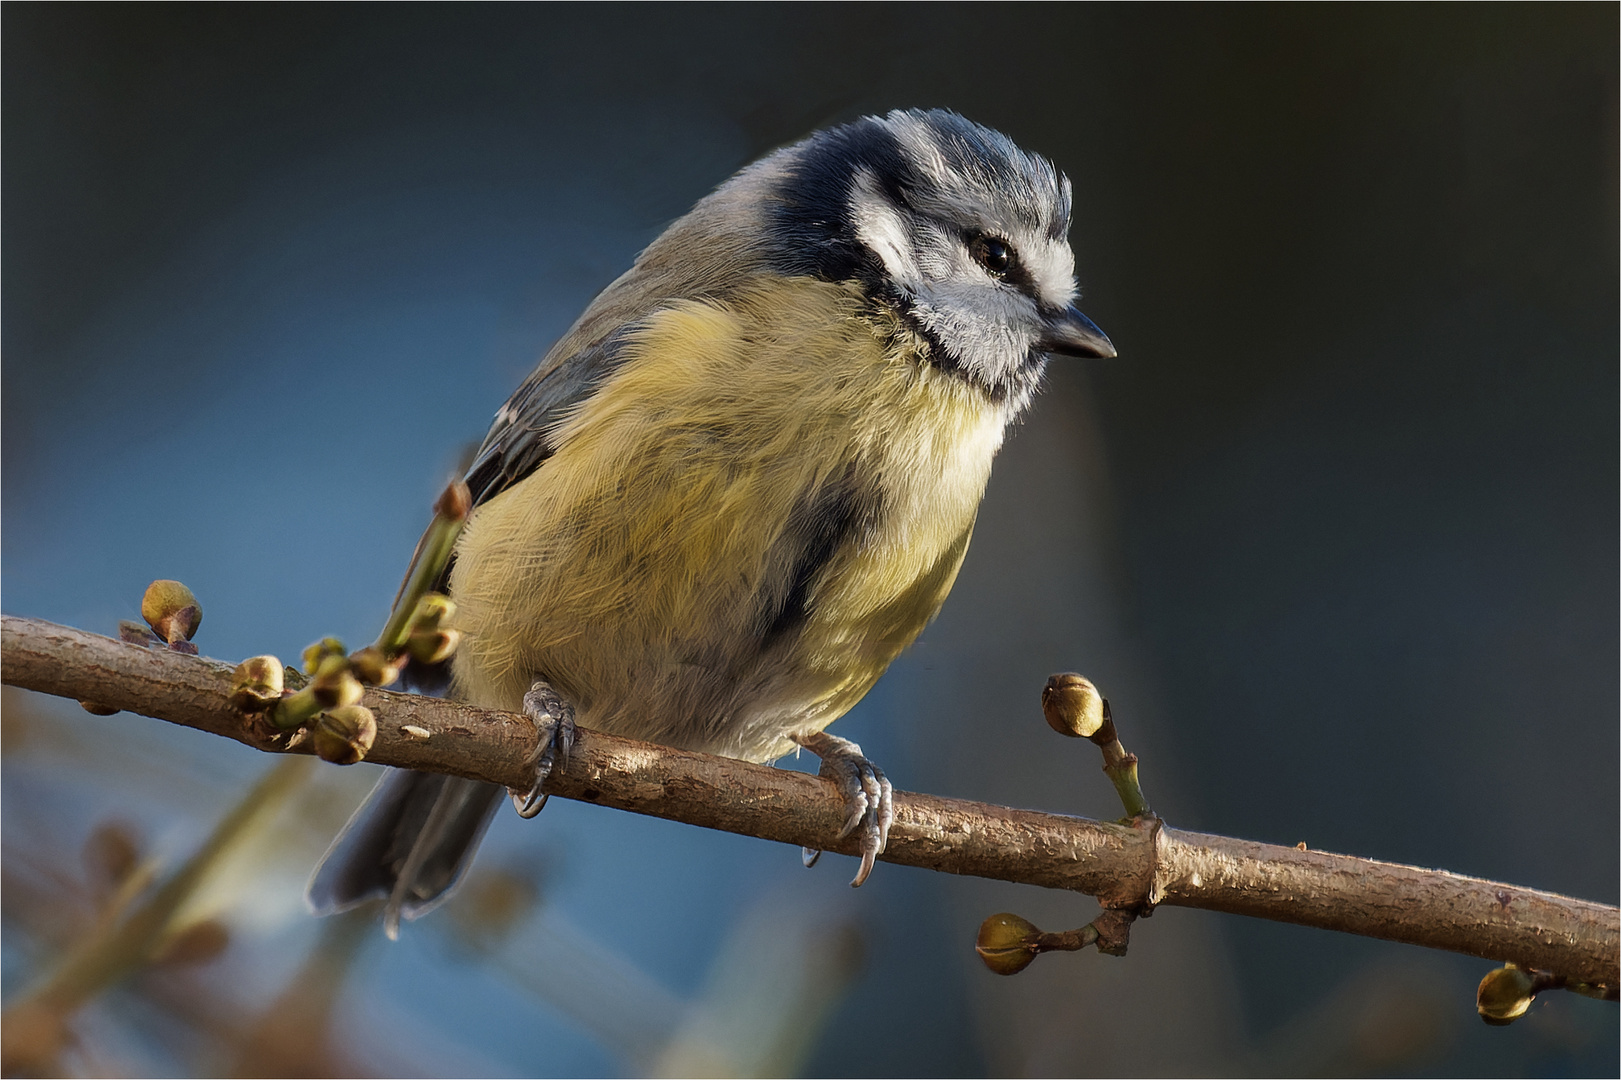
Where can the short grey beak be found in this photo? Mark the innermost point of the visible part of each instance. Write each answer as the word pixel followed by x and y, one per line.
pixel 1069 333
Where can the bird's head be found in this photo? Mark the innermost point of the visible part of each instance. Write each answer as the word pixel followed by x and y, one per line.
pixel 950 224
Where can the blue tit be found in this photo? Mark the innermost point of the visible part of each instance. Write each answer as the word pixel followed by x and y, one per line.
pixel 745 479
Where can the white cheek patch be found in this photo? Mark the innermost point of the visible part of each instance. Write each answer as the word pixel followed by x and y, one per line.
pixel 879 226
pixel 1052 267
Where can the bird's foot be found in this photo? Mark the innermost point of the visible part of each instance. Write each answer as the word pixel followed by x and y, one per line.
pixel 554 726
pixel 866 791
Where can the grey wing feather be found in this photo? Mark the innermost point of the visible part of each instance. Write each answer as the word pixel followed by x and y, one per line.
pixel 713 249
pixel 519 439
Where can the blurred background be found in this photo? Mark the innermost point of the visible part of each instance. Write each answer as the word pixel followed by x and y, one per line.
pixel 1337 533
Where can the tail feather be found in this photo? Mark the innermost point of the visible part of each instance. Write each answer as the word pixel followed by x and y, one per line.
pixel 410 843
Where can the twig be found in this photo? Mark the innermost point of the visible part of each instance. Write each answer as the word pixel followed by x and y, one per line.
pixel 1124 866
pixel 33 1025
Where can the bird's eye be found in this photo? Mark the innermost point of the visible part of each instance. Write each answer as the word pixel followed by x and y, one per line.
pixel 993 254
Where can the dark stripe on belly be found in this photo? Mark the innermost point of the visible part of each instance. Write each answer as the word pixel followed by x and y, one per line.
pixel 837 514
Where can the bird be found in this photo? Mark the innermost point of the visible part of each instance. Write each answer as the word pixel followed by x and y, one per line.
pixel 744 480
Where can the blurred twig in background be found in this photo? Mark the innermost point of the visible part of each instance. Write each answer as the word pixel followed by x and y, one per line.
pixel 195 1010
pixel 128 935
pixel 769 992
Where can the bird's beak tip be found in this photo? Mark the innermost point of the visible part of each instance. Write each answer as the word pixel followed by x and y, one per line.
pixel 1073 334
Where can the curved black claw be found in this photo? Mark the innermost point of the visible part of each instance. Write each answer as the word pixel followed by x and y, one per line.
pixel 554 726
pixel 865 789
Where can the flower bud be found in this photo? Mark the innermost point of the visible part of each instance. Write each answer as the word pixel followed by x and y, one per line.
pixel 428 646
pixel 432 611
pixel 1505 995
pixel 321 650
pixel 1007 943
pixel 344 735
pixel 1072 705
pixel 334 685
pixel 257 683
pixel 373 668
pixel 171 610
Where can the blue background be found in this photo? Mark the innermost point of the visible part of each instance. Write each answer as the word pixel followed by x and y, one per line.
pixel 1337 533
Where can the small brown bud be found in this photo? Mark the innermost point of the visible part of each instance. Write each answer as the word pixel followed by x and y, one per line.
pixel 257 683
pixel 334 684
pixel 1505 995
pixel 1007 943
pixel 432 646
pixel 344 735
pixel 111 853
pixel 1072 705
pixel 171 610
pixel 455 503
pixel 321 650
pixel 97 709
pixel 373 668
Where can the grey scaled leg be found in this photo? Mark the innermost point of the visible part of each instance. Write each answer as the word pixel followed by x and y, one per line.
pixel 866 791
pixel 554 726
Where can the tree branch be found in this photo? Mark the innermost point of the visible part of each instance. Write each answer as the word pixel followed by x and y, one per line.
pixel 1126 867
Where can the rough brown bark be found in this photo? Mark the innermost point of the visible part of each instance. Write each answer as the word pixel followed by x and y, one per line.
pixel 1122 866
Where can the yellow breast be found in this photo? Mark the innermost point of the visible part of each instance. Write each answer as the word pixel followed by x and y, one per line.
pixel 632 568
